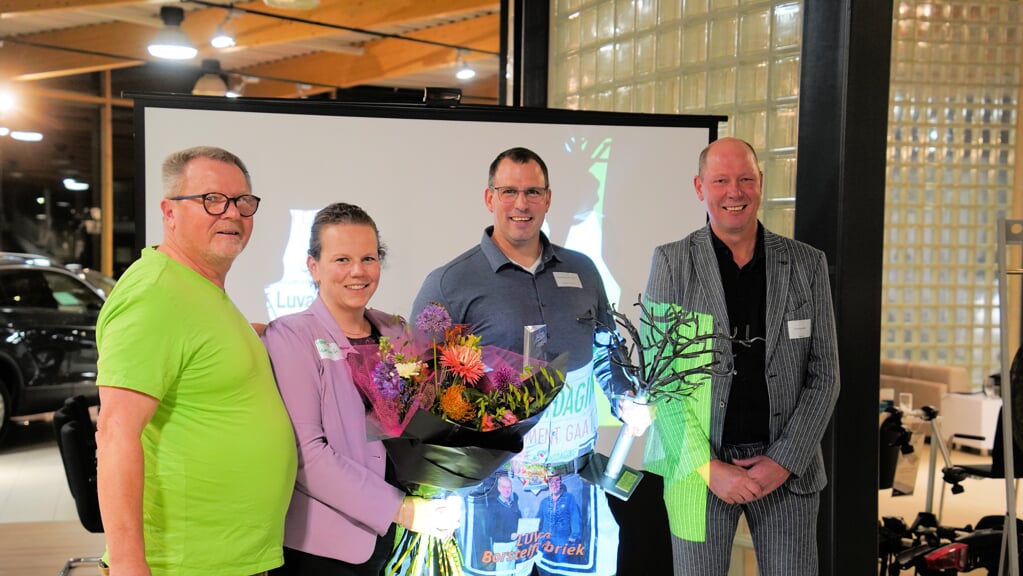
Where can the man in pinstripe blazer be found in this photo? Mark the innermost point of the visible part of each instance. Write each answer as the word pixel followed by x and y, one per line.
pixel 753 435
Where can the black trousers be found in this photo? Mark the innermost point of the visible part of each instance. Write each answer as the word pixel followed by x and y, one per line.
pixel 298 563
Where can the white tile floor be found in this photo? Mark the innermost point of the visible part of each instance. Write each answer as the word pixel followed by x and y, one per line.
pixel 33 487
pixel 981 496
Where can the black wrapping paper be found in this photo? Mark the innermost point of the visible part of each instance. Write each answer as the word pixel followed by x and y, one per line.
pixel 441 454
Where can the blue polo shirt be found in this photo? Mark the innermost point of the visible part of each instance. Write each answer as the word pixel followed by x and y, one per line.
pixel 497 298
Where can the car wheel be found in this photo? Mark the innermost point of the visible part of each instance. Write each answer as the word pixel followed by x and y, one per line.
pixel 5 409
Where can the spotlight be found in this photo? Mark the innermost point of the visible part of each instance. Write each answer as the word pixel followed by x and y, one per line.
pixel 75 186
pixel 222 38
pixel 26 136
pixel 212 82
pixel 171 42
pixel 464 72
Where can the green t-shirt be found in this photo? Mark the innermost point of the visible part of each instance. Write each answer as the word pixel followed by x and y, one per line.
pixel 220 455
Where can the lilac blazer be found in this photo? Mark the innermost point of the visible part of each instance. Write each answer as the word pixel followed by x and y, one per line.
pixel 341 501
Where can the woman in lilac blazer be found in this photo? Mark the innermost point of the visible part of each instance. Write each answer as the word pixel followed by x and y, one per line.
pixel 343 511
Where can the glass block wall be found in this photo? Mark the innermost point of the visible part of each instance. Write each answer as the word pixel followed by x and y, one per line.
pixel 736 58
pixel 951 149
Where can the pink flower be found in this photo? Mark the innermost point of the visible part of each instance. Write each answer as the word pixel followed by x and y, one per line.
pixel 508 418
pixel 488 423
pixel 464 361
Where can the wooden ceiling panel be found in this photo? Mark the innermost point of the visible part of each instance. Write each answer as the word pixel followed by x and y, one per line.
pixel 117 44
pixel 24 63
pixel 29 7
pixel 389 58
pixel 47 46
pixel 253 30
pixel 382 13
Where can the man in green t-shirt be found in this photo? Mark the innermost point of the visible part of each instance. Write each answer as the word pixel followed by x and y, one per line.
pixel 196 452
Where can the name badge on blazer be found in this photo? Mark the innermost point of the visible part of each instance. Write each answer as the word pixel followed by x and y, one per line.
pixel 799 329
pixel 328 350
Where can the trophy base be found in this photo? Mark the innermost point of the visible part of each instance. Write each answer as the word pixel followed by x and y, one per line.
pixel 621 487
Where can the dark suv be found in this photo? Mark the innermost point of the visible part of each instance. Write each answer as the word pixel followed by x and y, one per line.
pixel 47 336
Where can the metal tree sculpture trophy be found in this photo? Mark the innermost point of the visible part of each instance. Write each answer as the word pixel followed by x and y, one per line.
pixel 667 360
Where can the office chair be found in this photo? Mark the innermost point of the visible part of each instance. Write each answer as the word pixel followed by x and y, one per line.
pixel 893 438
pixel 76 439
pixel 996 469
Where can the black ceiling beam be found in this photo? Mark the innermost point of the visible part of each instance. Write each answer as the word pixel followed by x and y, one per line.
pixel 233 8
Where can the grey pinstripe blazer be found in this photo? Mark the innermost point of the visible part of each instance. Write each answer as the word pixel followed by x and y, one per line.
pixel 801 370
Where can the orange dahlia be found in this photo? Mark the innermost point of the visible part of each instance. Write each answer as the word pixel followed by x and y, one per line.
pixel 454 405
pixel 464 361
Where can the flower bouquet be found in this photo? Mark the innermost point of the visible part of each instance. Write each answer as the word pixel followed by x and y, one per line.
pixel 450 412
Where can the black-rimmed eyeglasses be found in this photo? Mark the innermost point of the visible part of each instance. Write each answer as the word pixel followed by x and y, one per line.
pixel 508 194
pixel 216 203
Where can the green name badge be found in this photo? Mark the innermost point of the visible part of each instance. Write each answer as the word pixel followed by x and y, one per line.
pixel 627 480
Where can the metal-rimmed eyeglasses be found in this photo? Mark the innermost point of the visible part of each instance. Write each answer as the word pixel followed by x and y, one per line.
pixel 216 203
pixel 509 194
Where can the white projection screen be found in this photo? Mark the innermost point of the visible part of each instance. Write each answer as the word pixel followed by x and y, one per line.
pixel 621 184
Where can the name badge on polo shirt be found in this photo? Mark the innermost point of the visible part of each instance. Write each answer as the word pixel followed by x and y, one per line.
pixel 799 329
pixel 328 350
pixel 567 280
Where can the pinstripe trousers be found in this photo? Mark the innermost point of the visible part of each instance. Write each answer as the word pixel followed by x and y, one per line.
pixel 783 525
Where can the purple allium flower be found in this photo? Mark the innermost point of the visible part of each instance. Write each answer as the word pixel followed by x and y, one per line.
pixel 387 381
pixel 503 378
pixel 433 320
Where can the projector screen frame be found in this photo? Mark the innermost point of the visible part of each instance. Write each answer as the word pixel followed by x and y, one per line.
pixel 496 115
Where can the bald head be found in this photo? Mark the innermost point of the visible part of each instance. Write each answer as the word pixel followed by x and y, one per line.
pixel 730 186
pixel 730 141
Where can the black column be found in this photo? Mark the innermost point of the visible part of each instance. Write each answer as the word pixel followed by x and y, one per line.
pixel 502 78
pixel 840 186
pixel 532 23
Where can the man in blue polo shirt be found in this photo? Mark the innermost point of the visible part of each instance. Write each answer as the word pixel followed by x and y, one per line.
pixel 514 278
